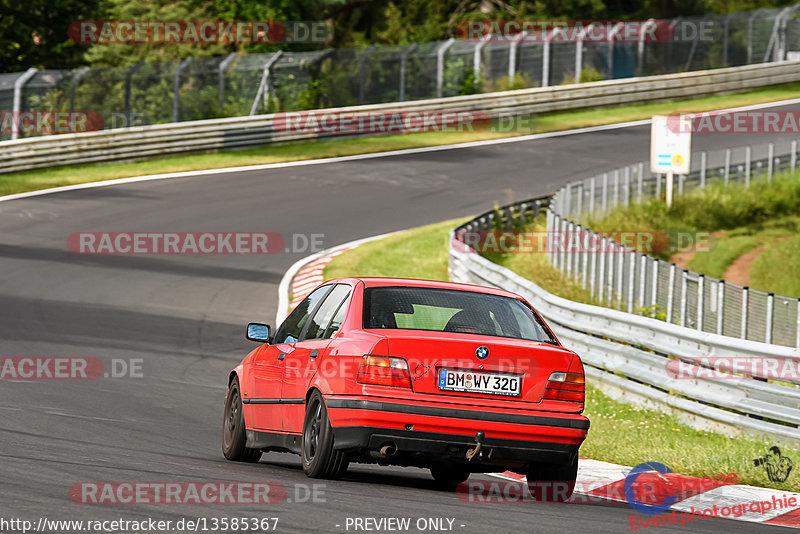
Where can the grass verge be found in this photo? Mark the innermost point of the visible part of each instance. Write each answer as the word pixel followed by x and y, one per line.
pixel 741 218
pixel 60 176
pixel 620 433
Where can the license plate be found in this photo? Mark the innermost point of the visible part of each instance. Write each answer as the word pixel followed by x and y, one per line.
pixel 472 382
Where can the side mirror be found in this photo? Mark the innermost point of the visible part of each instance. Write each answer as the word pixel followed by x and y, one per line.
pixel 258 332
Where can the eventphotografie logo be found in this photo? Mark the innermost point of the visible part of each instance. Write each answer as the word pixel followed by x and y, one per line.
pixel 777 466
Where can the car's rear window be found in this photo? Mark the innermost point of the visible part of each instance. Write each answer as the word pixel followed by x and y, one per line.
pixel 448 310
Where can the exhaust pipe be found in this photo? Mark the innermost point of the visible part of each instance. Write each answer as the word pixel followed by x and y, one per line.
pixel 390 449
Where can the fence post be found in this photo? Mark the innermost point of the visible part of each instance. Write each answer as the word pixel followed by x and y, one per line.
pixel 750 35
pixel 770 163
pixel 512 57
pixel 221 78
pixel 797 326
pixel 793 157
pixel 700 300
pixel 770 313
pixel 727 165
pixel 616 188
pixel 747 156
pixel 584 235
pixel 643 281
pixel 593 266
pixel 440 52
pixel 602 271
pixel 620 281
pixel 632 278
pixel 580 200
pixel 627 185
pixel 720 305
pixel 568 249
pixel 176 91
pixel 654 292
pixel 362 74
pixel 128 78
pixel 605 193
pixel 611 260
pixel 640 48
pixel 579 55
pixel 546 59
pixel 568 203
pixel 658 185
pixel 745 306
pixel 16 108
pixel 74 85
pixel 703 159
pixel 266 83
pixel 683 297
pixel 671 291
pixel 725 40
pixel 640 184
pixel 403 61
pixel 592 186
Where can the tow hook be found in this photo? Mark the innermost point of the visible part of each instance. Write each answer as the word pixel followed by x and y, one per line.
pixel 477 451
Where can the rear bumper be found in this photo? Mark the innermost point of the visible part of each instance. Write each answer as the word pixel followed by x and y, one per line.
pixel 446 431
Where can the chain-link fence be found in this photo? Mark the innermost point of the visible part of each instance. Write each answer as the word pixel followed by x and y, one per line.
pixel 619 276
pixel 236 85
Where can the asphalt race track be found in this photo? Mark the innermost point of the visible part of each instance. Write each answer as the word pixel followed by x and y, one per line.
pixel 184 316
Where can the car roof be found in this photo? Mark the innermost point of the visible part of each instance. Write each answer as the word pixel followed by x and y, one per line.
pixel 413 282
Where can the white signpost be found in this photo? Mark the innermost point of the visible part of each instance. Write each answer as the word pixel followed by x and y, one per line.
pixel 670 147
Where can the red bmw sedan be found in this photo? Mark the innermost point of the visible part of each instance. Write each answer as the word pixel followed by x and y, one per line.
pixel 451 377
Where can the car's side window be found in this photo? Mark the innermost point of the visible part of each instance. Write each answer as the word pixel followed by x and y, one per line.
pixel 319 323
pixel 290 330
pixel 336 322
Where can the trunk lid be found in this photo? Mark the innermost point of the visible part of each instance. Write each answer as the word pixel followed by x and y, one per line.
pixel 430 353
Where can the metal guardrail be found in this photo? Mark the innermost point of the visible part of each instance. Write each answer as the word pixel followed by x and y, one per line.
pixel 619 277
pixel 127 144
pixel 628 355
pixel 204 87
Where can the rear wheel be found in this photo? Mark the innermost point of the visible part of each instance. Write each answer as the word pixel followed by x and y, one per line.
pixel 320 459
pixel 449 477
pixel 553 482
pixel 234 436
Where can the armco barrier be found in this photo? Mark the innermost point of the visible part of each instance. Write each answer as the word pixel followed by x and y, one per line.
pixel 626 355
pixel 127 144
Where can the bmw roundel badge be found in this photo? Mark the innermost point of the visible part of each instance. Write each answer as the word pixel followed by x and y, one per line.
pixel 482 352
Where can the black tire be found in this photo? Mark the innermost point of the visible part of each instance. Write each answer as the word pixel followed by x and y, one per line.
pixel 319 458
pixel 448 477
pixel 234 436
pixel 553 482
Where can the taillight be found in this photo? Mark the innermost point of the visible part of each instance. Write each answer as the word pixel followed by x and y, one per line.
pixel 565 387
pixel 384 371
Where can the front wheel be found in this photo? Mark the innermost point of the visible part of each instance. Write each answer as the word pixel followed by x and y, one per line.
pixel 234 436
pixel 553 482
pixel 320 459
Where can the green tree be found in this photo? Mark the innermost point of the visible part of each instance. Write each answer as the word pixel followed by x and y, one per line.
pixel 33 33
